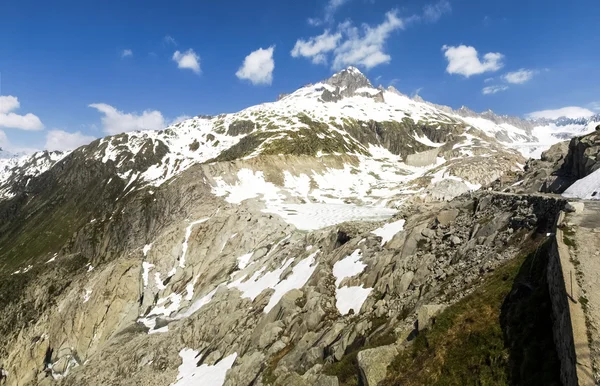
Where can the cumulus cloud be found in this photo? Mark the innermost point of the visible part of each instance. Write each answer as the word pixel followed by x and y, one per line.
pixel 258 66
pixel 464 60
pixel 316 47
pixel 520 76
pixel 568 112
pixel 366 47
pixel 9 119
pixel 115 121
pixel 63 140
pixel 494 89
pixel 126 53
pixel 361 46
pixel 434 12
pixel 187 60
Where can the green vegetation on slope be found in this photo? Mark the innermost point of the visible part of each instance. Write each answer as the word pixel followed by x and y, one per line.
pixel 501 334
pixel 347 370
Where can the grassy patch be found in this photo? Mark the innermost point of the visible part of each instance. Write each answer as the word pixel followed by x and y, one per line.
pixel 268 377
pixel 501 334
pixel 347 370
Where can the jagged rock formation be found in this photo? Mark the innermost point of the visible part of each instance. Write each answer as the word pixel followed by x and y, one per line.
pixel 261 247
pixel 560 166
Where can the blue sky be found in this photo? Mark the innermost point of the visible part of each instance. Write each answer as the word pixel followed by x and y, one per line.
pixel 183 58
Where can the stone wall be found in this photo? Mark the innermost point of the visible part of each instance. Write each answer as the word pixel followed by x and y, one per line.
pixel 563 334
pixel 569 329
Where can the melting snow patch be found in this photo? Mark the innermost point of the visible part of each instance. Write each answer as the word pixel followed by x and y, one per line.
pixel 300 275
pixel 159 283
pixel 146 249
pixel 205 375
pixel 188 233
pixel 348 267
pixel 146 270
pixel 351 298
pixel 52 259
pixel 244 260
pixel 587 188
pixel 86 296
pixel 316 216
pixel 254 286
pixel 159 330
pixel 250 185
pixel 426 141
pixel 197 305
pixel 388 231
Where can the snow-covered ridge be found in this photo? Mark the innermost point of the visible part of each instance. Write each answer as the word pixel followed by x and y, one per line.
pixel 25 166
pixel 201 139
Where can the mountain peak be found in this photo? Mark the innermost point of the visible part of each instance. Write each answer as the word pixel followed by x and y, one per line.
pixel 350 78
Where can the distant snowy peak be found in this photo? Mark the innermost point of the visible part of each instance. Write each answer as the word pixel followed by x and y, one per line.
pixel 17 170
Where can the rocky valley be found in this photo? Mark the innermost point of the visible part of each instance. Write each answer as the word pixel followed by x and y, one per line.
pixel 345 234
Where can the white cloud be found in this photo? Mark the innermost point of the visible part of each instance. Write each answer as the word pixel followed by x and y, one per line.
pixel 520 76
pixel 62 140
pixel 188 59
pixel 433 12
pixel 3 140
pixel 568 112
pixel 258 66
pixel 316 47
pixel 494 89
pixel 595 106
pixel 488 80
pixel 332 7
pixel 126 53
pixel 9 119
pixel 329 13
pixel 115 121
pixel 169 40
pixel 464 60
pixel 366 48
pixel 178 119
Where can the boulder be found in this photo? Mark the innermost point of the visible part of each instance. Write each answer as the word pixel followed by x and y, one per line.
pixel 446 217
pixel 405 280
pixel 446 190
pixel 373 363
pixel 246 370
pixel 426 314
pixel 429 233
pixel 574 207
pixel 455 240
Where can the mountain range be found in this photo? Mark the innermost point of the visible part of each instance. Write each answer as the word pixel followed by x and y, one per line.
pixel 263 247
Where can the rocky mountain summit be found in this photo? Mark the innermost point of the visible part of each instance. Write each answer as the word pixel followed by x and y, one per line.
pixel 307 241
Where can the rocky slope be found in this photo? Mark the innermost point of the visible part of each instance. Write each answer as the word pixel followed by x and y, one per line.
pixel 562 168
pixel 255 248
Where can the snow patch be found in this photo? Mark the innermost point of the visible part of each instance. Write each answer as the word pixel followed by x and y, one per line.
pixel 205 375
pixel 188 233
pixel 348 267
pixel 587 188
pixel 351 298
pixel 388 231
pixel 244 260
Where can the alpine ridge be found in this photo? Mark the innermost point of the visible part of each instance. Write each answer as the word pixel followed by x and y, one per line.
pixel 295 242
